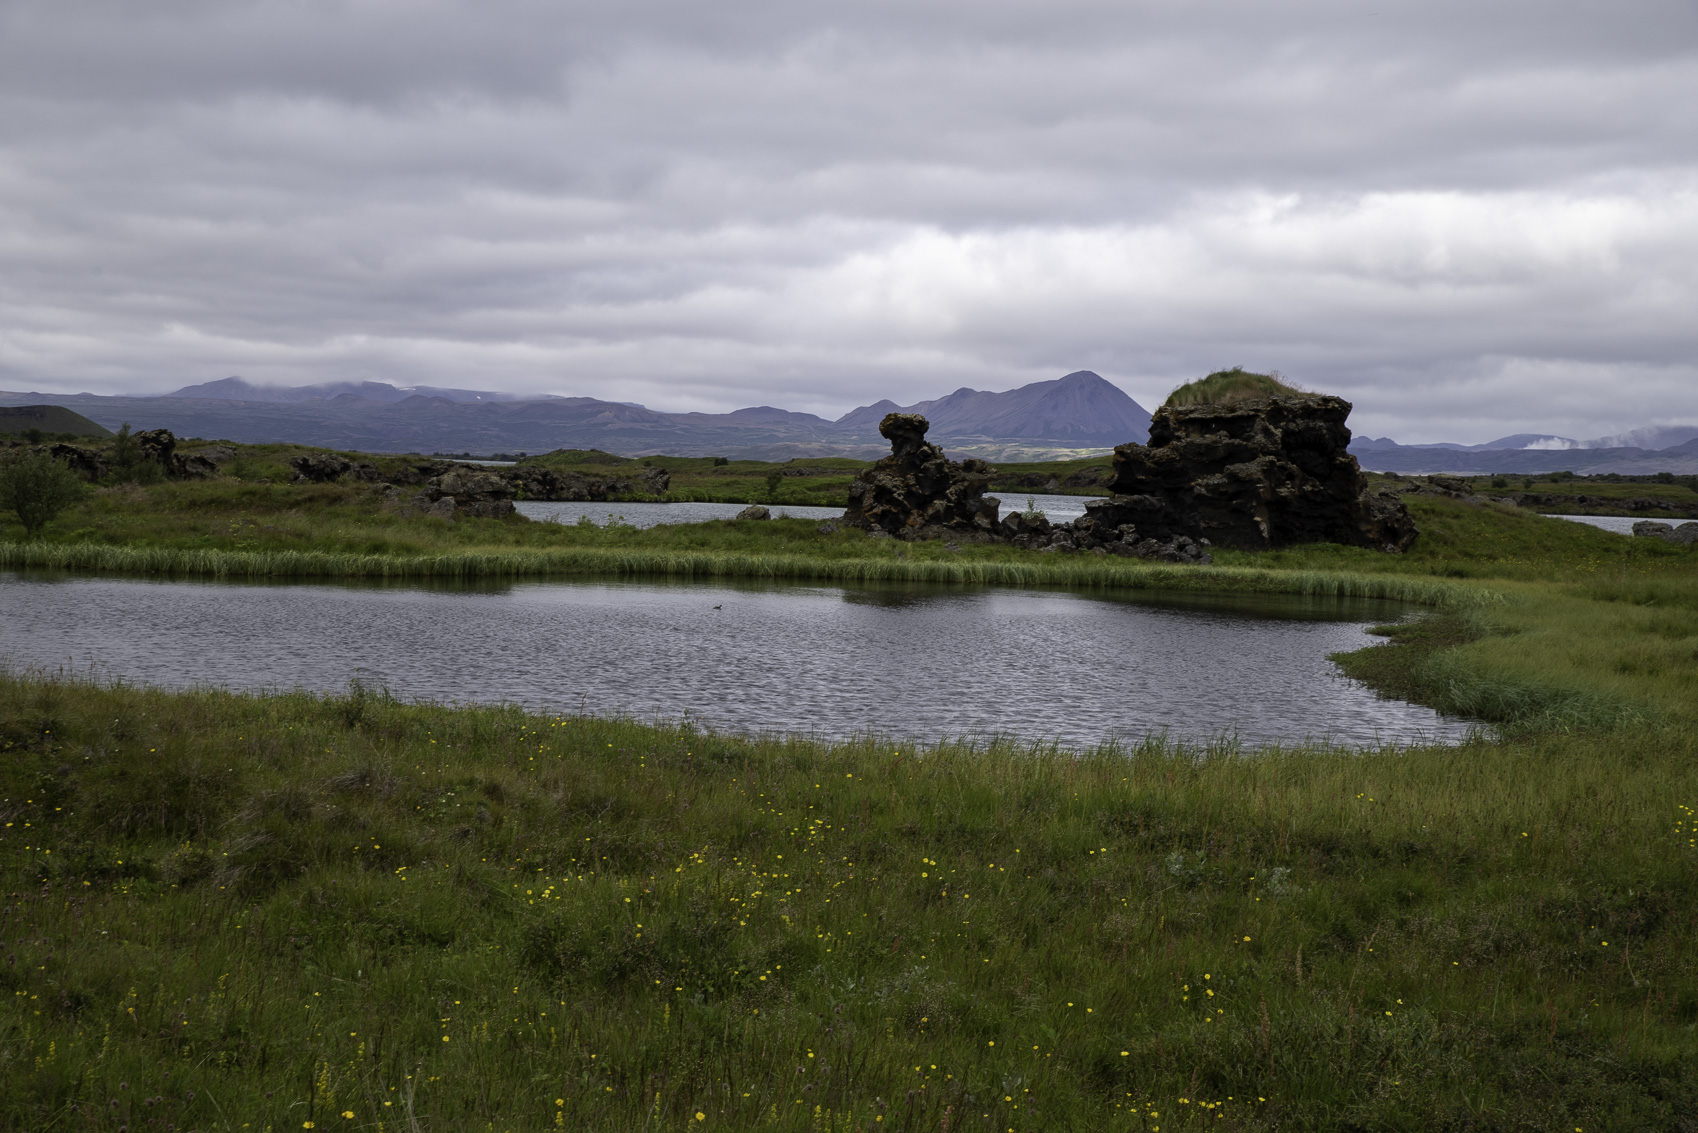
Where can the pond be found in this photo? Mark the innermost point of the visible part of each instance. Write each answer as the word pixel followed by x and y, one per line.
pixel 906 661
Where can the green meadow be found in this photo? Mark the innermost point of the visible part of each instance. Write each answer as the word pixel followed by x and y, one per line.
pixel 227 912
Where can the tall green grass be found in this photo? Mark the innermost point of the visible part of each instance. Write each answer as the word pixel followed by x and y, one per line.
pixel 468 565
pixel 1451 662
pixel 227 912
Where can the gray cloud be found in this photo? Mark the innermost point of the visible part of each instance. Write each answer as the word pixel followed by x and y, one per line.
pixel 1470 219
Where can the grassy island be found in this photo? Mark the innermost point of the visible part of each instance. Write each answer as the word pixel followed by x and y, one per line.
pixel 227 912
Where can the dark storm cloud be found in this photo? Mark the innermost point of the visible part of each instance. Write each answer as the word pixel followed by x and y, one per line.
pixel 1472 219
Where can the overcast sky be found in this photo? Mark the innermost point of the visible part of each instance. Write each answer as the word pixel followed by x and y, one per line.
pixel 1470 218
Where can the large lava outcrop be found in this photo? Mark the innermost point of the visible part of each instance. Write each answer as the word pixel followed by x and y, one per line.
pixel 1250 474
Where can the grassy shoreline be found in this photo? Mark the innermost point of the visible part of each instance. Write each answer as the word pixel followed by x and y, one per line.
pixel 1568 626
pixel 1071 571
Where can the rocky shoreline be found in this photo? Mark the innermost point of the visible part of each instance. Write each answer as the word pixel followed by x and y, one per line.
pixel 1686 535
pixel 445 488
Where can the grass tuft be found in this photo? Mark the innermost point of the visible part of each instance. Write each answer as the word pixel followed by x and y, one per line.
pixel 1223 387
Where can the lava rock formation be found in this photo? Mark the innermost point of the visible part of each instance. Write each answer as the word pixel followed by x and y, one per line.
pixel 161 445
pixel 918 493
pixel 1686 535
pixel 1252 474
pixel 537 482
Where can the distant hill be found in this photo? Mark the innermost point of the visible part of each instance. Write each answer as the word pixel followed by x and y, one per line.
pixel 1539 454
pixel 1080 408
pixel 49 419
pixel 1069 416
pixel 236 389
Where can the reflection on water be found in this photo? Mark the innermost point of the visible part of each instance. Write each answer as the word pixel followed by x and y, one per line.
pixel 911 660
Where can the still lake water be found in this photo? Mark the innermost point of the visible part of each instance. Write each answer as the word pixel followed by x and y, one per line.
pixel 906 661
pixel 1060 509
pixel 1620 524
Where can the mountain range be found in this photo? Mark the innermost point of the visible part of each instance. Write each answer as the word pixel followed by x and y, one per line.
pixel 1076 415
pixel 1656 448
pixel 235 389
pixel 1072 415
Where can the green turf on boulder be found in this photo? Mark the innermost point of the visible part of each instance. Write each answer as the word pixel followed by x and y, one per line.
pixel 1225 386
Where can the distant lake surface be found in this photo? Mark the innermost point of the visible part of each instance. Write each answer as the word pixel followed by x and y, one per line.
pixel 1620 524
pixel 653 515
pixel 905 661
pixel 1060 509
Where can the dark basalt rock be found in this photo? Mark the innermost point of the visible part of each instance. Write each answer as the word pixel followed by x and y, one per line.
pixel 324 467
pixel 417 472
pixel 319 467
pixel 1253 474
pixel 161 445
pixel 918 493
pixel 85 462
pixel 1026 530
pixel 540 483
pixel 455 490
pixel 1685 535
pixel 158 444
pixel 471 490
pixel 1174 549
pixel 1083 534
pixel 1636 503
pixel 1455 485
pixel 482 489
